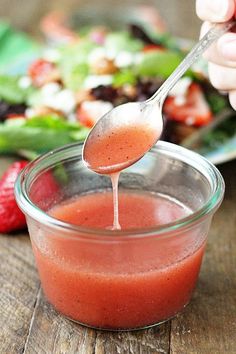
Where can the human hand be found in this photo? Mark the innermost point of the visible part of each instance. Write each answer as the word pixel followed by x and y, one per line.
pixel 222 54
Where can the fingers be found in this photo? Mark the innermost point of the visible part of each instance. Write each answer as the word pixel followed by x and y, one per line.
pixel 227 46
pixel 222 78
pixel 222 52
pixel 215 10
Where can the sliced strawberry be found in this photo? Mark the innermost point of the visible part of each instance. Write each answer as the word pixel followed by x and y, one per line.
pixel 41 71
pixel 193 111
pixel 89 112
pixel 153 47
pixel 15 116
pixel 11 217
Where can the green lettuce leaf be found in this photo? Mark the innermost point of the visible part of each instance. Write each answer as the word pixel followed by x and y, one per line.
pixel 216 101
pixel 73 64
pixel 117 42
pixel 219 136
pixel 158 63
pixel 124 77
pixel 11 92
pixel 38 134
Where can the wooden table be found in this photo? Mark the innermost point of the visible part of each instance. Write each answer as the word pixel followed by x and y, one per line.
pixel 28 324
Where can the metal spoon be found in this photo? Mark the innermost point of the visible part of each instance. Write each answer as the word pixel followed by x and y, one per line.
pixel 147 113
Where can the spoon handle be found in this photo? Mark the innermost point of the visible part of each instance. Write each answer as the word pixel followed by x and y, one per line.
pixel 213 34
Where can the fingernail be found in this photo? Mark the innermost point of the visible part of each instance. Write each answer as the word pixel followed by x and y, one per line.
pixel 213 10
pixel 219 8
pixel 227 46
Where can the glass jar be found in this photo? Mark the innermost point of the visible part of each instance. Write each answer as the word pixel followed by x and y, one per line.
pixel 124 279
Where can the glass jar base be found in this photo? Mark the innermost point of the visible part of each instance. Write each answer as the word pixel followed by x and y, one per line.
pixel 132 329
pixel 108 329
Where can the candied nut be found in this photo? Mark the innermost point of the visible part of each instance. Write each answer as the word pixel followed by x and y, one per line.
pixel 103 66
pixel 129 91
pixel 83 95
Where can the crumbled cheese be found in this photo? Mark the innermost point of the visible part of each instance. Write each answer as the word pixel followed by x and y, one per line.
pixel 180 100
pixel 181 87
pixel 24 82
pixel 50 89
pixel 124 59
pixel 180 90
pixel 111 53
pixel 51 54
pixel 96 109
pixel 137 58
pixel 63 101
pixel 190 120
pixel 30 112
pixel 72 117
pixel 96 55
pixel 97 80
pixel 52 96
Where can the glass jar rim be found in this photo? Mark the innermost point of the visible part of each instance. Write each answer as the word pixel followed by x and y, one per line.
pixel 197 161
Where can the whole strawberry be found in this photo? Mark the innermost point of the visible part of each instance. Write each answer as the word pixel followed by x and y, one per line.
pixel 11 217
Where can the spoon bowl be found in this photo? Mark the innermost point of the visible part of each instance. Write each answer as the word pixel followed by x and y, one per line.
pixel 122 136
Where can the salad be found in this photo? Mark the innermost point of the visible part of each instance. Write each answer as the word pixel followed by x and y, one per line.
pixel 64 88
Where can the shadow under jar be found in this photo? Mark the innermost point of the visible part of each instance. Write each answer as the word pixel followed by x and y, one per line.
pixel 126 279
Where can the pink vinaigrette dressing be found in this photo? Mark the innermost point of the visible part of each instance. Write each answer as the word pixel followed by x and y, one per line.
pixel 129 283
pixel 119 285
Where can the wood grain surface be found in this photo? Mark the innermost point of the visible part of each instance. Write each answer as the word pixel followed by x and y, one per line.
pixel 30 325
